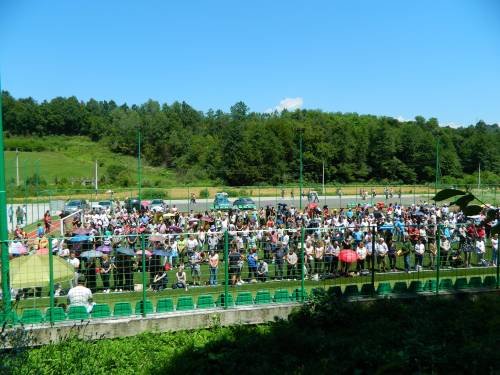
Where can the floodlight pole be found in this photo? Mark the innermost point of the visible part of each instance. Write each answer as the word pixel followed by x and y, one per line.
pixel 301 167
pixel 139 182
pixel 4 235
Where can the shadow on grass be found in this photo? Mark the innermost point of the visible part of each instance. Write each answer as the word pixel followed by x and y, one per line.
pixel 432 335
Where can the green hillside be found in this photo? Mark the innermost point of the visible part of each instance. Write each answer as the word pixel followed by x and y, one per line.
pixel 68 161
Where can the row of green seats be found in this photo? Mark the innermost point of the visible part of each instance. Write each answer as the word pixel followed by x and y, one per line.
pixel 124 309
pixel 415 286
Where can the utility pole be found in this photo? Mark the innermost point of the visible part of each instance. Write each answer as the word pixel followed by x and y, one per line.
pixel 323 178
pixel 479 178
pixel 17 167
pixel 96 186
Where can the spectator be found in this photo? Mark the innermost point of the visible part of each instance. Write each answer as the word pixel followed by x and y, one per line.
pixel 214 266
pixel 494 248
pixel 80 295
pixel 291 264
pixel 419 255
pixel 262 270
pixel 381 250
pixel 361 253
pixel 105 272
pixel 252 259
pixel 180 275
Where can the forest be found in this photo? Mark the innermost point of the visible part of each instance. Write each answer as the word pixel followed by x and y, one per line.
pixel 241 147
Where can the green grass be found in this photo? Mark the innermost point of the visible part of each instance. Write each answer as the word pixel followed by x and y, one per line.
pixel 73 158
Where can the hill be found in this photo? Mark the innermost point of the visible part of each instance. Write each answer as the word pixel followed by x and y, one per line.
pixel 69 161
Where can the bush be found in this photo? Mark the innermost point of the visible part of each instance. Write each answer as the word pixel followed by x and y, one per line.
pixel 204 194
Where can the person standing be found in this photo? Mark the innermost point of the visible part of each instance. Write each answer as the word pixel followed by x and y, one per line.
pixel 494 248
pixel 419 254
pixel 361 253
pixel 405 251
pixel 291 264
pixel 252 259
pixel 381 250
pixel 213 261
pixel 75 262
pixel 278 261
pixel 105 271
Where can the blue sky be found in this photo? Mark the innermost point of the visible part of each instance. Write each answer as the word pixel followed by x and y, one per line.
pixel 397 58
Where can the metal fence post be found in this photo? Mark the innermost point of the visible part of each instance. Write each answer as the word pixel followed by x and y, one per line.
pixel 438 246
pixel 302 264
pixel 51 281
pixel 374 254
pixel 144 284
pixel 226 268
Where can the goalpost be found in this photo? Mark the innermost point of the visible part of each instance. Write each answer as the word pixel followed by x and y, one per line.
pixel 66 223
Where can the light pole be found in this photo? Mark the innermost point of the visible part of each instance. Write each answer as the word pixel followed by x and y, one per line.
pixel 301 167
pixel 139 176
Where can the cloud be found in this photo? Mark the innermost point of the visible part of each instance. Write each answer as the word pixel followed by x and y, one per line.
pixel 288 104
pixel 401 119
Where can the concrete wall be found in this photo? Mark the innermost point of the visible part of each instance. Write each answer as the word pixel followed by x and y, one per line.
pixel 175 321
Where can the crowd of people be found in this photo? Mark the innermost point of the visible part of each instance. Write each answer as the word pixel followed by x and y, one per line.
pixel 185 249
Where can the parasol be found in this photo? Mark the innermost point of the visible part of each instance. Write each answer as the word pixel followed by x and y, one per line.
pixel 348 256
pixel 126 251
pixel 91 254
pixel 33 271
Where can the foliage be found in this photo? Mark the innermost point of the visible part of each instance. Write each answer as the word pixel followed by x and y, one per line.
pixel 429 335
pixel 464 203
pixel 248 148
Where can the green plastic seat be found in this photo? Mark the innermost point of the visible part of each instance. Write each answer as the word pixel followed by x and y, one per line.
pixel 165 305
pixel 58 314
pixel 415 286
pixel 122 309
pixel 281 296
pixel 461 283
pixel 400 287
pixel 185 303
pixel 384 289
pixel 77 313
pixel 446 284
pixel 490 281
pixel 430 286
pixel 101 310
pixel 351 291
pixel 139 309
pixel 31 316
pixel 475 282
pixel 263 297
pixel 335 291
pixel 297 295
pixel 367 290
pixel 244 298
pixel 205 302
pixel 221 299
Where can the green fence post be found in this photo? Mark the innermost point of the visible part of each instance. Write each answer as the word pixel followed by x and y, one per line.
pixel 374 254
pixel 51 281
pixel 498 268
pixel 302 264
pixel 4 233
pixel 189 201
pixel 226 268
pixel 144 284
pixel 438 260
pixel 414 187
pixel 259 196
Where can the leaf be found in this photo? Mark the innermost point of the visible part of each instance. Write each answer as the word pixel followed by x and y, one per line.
pixel 491 214
pixel 463 201
pixel 472 210
pixel 447 194
pixel 495 229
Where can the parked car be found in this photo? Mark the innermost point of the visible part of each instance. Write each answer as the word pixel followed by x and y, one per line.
pixel 103 205
pixel 221 202
pixel 74 205
pixel 131 203
pixel 157 205
pixel 245 203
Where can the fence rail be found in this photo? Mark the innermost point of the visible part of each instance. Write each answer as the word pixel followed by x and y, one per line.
pixel 143 274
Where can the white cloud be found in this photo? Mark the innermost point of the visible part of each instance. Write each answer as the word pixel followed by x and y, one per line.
pixel 401 119
pixel 288 104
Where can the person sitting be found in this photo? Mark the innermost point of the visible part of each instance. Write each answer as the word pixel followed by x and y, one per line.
pixel 181 278
pixel 80 295
pixel 160 280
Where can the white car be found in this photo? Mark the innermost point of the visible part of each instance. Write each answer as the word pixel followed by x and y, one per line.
pixel 157 205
